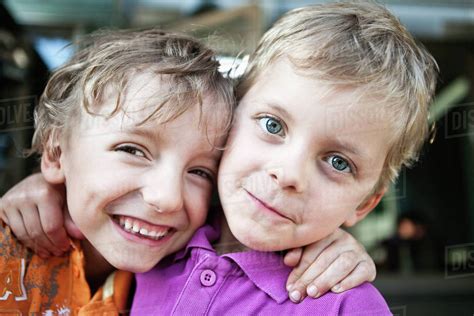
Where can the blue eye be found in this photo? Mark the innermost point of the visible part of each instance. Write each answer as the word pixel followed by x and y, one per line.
pixel 131 150
pixel 271 125
pixel 339 163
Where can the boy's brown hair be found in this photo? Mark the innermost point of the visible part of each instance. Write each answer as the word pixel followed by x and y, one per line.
pixel 360 45
pixel 105 61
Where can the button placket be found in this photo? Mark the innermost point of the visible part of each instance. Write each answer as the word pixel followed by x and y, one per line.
pixel 197 296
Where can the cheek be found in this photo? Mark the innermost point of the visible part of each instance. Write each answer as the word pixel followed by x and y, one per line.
pixel 328 208
pixel 228 171
pixel 197 205
pixel 339 195
pixel 89 194
pixel 240 153
pixel 241 142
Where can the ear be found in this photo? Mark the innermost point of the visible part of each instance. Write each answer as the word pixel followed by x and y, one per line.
pixel 365 207
pixel 51 164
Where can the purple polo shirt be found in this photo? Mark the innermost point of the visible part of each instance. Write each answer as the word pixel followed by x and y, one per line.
pixel 197 281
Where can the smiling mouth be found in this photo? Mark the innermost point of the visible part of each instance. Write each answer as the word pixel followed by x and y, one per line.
pixel 142 229
pixel 266 206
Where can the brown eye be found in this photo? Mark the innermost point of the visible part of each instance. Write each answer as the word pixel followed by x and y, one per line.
pixel 132 150
pixel 204 174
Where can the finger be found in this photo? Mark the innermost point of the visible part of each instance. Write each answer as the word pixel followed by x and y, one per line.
pixel 361 273
pixel 310 268
pixel 293 256
pixel 370 268
pixel 21 233
pixel 329 268
pixel 310 253
pixel 52 222
pixel 3 216
pixel 337 271
pixel 16 225
pixel 304 284
pixel 35 230
pixel 4 207
pixel 71 227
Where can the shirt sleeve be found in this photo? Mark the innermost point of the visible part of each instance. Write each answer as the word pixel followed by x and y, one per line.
pixel 364 300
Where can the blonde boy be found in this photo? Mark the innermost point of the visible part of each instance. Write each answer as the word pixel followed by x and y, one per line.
pixel 333 104
pixel 131 112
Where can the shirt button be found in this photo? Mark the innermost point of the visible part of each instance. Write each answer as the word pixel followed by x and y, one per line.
pixel 208 278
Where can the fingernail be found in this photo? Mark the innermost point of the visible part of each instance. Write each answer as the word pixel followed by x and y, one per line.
pixel 295 296
pixel 336 288
pixel 313 291
pixel 289 287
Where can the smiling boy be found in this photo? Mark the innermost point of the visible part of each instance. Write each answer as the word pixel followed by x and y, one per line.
pixel 130 111
pixel 113 168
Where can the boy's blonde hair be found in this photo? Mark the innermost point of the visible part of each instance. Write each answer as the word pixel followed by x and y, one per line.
pixel 359 45
pixel 106 60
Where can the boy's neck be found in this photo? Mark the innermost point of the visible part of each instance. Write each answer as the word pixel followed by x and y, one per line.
pixel 97 269
pixel 227 243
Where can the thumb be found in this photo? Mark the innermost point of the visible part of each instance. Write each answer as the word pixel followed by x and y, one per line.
pixel 71 227
pixel 293 257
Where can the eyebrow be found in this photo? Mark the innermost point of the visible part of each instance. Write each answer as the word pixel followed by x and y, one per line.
pixel 347 146
pixel 155 136
pixel 282 111
pixel 143 132
pixel 340 144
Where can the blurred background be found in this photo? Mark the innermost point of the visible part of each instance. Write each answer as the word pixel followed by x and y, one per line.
pixel 421 236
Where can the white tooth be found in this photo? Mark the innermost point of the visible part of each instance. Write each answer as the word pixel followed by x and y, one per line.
pixel 161 234
pixel 152 234
pixel 128 224
pixel 121 221
pixel 143 231
pixel 135 228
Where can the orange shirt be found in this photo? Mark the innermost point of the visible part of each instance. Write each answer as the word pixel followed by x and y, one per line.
pixel 54 286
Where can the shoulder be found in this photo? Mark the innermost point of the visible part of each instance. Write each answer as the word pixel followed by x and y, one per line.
pixel 29 283
pixel 364 299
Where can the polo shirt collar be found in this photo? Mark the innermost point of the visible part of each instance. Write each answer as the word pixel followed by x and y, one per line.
pixel 202 238
pixel 266 270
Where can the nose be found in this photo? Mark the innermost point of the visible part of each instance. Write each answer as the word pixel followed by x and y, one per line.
pixel 291 171
pixel 163 190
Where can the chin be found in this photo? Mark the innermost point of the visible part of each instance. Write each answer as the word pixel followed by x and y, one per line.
pixel 253 241
pixel 135 267
pixel 260 238
pixel 262 246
